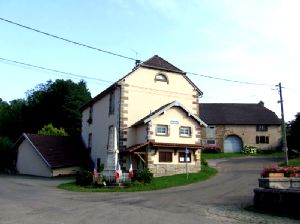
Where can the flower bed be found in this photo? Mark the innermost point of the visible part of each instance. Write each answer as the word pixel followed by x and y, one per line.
pixel 287 171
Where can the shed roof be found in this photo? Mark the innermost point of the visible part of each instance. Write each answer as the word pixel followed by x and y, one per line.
pixel 57 151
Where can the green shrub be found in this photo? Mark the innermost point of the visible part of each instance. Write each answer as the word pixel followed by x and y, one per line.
pixel 203 162
pixel 84 178
pixel 248 149
pixel 143 176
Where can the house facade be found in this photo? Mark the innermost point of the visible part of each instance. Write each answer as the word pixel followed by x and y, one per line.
pixel 231 126
pixel 155 111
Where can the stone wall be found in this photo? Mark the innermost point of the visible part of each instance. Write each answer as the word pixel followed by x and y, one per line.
pixel 247 133
pixel 283 201
pixel 172 169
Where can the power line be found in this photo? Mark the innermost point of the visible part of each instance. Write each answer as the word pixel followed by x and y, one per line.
pixel 126 57
pixel 86 77
pixel 67 40
pixel 55 70
pixel 229 80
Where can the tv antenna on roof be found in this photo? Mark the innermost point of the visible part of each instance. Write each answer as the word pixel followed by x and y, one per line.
pixel 137 62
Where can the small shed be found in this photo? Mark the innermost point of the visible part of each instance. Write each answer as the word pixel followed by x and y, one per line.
pixel 48 156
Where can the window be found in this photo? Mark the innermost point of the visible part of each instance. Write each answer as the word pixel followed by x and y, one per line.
pixel 182 156
pixel 165 157
pixel 262 139
pixel 90 120
pixel 112 103
pixel 90 141
pixel 161 78
pixel 185 131
pixel 162 130
pixel 211 141
pixel 261 127
pixel 210 132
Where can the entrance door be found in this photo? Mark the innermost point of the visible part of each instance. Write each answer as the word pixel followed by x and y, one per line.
pixel 233 144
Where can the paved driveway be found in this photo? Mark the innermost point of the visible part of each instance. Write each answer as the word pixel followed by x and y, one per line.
pixel 218 200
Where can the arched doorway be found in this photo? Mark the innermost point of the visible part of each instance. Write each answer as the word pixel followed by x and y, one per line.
pixel 233 143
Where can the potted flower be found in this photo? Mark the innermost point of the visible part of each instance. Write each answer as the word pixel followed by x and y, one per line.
pixel 272 171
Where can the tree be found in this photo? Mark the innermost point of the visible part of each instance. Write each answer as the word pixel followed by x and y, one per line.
pixel 50 130
pixel 294 133
pixel 57 103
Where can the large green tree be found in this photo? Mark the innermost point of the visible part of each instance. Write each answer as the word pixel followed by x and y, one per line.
pixel 56 103
pixel 294 133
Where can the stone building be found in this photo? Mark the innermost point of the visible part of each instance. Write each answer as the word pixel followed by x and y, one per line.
pixel 231 126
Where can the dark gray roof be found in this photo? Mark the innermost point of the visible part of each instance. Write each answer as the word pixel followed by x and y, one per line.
pixel 58 151
pixel 157 62
pixel 241 114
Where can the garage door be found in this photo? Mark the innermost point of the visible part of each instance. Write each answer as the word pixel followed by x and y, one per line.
pixel 233 144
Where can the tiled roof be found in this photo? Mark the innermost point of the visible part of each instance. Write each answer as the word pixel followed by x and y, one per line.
pixel 242 114
pixel 59 151
pixel 157 62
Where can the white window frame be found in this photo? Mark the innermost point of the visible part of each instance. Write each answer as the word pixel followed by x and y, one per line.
pixel 185 131
pixel 161 127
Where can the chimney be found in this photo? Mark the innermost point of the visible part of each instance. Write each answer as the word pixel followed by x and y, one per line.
pixel 261 103
pixel 137 62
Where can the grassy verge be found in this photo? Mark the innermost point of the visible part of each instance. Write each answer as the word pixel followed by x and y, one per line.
pixel 233 155
pixel 158 182
pixel 292 162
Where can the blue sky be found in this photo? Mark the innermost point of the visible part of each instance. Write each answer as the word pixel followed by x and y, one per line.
pixel 252 41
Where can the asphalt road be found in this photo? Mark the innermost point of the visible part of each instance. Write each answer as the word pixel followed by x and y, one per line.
pixel 220 199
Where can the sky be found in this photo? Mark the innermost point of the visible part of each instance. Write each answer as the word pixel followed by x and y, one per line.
pixel 248 41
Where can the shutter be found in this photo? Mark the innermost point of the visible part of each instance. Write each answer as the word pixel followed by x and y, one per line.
pixel 267 139
pixel 257 139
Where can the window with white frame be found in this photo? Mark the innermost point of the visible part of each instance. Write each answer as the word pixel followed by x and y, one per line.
pixel 162 130
pixel 161 78
pixel 185 131
pixel 182 157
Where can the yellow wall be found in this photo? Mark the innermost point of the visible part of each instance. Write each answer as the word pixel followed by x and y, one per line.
pixel 174 114
pixel 65 171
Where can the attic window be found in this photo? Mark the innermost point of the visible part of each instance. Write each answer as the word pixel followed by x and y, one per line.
pixel 161 78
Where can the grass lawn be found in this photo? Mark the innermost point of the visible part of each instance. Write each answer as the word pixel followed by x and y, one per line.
pixel 292 162
pixel 232 155
pixel 158 182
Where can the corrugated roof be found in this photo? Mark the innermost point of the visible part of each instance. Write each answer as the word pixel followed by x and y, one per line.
pixel 242 114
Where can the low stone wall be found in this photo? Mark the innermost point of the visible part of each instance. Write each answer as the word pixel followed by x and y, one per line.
pixel 284 201
pixel 279 183
pixel 172 169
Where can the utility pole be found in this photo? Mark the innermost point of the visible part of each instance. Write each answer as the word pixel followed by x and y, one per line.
pixel 283 129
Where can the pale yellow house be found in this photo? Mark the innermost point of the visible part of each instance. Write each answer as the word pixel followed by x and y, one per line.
pixel 155 110
pixel 234 125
